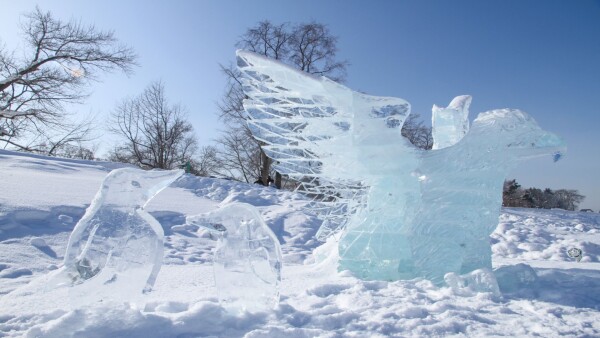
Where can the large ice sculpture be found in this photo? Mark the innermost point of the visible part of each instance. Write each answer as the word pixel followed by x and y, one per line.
pixel 115 251
pixel 247 259
pixel 412 213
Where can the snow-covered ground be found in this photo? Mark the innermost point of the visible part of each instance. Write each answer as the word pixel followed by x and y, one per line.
pixel 41 199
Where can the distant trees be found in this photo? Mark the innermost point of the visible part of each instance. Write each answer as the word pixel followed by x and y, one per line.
pixel 515 196
pixel 309 47
pixel 155 133
pixel 512 194
pixel 75 150
pixel 58 63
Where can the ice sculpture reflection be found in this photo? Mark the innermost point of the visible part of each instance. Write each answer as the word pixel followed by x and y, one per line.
pixel 115 251
pixel 412 213
pixel 247 259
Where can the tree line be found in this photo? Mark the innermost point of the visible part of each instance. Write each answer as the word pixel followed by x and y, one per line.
pixel 513 195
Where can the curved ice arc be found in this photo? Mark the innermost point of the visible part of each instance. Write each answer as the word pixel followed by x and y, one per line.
pixel 410 213
pixel 115 251
pixel 247 259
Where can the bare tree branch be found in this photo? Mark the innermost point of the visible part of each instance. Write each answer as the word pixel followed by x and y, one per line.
pixel 309 47
pixel 61 59
pixel 417 133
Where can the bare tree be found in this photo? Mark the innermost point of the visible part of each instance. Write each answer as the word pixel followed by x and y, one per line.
pixel 60 60
pixel 568 199
pixel 417 133
pixel 77 150
pixel 267 39
pixel 309 47
pixel 156 134
pixel 313 50
pixel 240 157
pixel 207 162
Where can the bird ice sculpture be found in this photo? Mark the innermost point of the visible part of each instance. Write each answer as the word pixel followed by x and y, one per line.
pixel 247 259
pixel 412 213
pixel 115 251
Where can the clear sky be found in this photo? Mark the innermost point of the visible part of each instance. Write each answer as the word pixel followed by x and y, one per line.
pixel 541 56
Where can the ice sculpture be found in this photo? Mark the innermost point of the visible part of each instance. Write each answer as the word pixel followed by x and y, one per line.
pixel 450 124
pixel 115 251
pixel 480 280
pixel 412 213
pixel 247 259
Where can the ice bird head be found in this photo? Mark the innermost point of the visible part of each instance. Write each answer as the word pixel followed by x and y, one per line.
pixel 135 187
pixel 517 133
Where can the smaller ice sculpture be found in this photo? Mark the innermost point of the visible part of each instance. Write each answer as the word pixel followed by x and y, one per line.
pixel 115 251
pixel 480 280
pixel 519 281
pixel 247 259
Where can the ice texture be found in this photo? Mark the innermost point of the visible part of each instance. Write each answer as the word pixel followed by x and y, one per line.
pixel 115 251
pixel 401 212
pixel 480 280
pixel 247 259
pixel 518 280
pixel 449 125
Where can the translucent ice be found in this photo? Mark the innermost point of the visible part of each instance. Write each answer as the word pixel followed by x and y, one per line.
pixel 480 280
pixel 247 259
pixel 451 124
pixel 517 280
pixel 411 213
pixel 115 251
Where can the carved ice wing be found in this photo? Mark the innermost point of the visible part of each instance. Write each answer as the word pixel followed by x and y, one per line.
pixel 312 125
pixel 320 133
pixel 296 115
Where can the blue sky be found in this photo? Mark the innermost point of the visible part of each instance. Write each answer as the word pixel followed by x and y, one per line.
pixel 539 56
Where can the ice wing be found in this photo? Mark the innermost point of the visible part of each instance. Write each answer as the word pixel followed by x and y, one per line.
pixel 312 126
pixel 298 117
pixel 318 131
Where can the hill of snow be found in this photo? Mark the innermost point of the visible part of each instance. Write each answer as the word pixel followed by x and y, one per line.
pixel 544 291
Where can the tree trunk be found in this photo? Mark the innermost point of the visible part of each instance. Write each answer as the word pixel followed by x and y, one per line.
pixel 277 180
pixel 266 166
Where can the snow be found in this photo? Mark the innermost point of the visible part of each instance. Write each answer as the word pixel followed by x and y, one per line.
pixel 42 199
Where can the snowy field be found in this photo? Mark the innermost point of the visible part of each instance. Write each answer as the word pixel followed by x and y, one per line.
pixel 41 199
